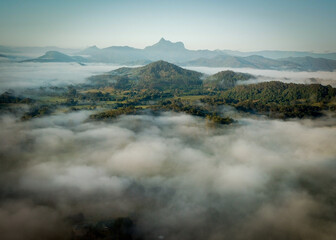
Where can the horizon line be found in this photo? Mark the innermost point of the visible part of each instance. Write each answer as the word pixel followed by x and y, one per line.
pixel 162 38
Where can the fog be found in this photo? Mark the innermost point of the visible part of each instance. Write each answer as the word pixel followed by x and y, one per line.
pixel 177 176
pixel 18 76
pixel 324 78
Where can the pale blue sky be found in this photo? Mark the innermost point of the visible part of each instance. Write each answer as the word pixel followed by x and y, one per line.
pixel 304 25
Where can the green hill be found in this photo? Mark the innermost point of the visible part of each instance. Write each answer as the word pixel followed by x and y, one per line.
pixel 158 75
pixel 225 79
pixel 278 99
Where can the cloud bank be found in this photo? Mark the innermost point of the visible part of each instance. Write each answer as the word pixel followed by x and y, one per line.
pixel 177 176
pixel 324 78
pixel 18 76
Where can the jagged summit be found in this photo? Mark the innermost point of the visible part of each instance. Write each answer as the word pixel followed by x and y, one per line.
pixel 164 44
pixel 165 41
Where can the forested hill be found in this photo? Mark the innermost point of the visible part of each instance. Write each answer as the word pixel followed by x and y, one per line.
pixel 278 99
pixel 280 92
pixel 225 79
pixel 158 75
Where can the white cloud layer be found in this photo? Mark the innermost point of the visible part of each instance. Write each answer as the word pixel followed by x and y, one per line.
pixel 324 78
pixel 178 176
pixel 18 76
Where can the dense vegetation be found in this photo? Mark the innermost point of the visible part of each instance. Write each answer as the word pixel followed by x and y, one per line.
pixel 206 111
pixel 113 113
pixel 38 111
pixel 175 105
pixel 8 97
pixel 225 79
pixel 278 99
pixel 282 93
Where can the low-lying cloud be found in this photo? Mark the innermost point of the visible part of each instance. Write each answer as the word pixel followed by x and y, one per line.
pixel 18 76
pixel 177 176
pixel 324 78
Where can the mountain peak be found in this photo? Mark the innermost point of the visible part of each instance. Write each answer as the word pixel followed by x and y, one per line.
pixel 162 40
pixel 93 47
pixel 90 50
pixel 166 45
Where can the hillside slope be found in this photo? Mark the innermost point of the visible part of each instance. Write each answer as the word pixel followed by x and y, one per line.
pixel 159 75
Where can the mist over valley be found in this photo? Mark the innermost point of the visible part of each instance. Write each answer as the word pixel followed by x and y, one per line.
pixel 167 120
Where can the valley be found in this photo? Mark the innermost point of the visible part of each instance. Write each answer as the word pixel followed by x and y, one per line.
pixel 162 86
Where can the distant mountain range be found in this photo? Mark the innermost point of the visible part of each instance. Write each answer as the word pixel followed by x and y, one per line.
pixel 30 52
pixel 54 56
pixel 178 54
pixel 163 50
pixel 281 54
pixel 259 62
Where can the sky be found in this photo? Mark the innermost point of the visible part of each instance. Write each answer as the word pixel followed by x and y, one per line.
pixel 245 25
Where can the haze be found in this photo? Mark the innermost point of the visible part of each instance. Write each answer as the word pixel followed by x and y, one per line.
pixel 302 25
